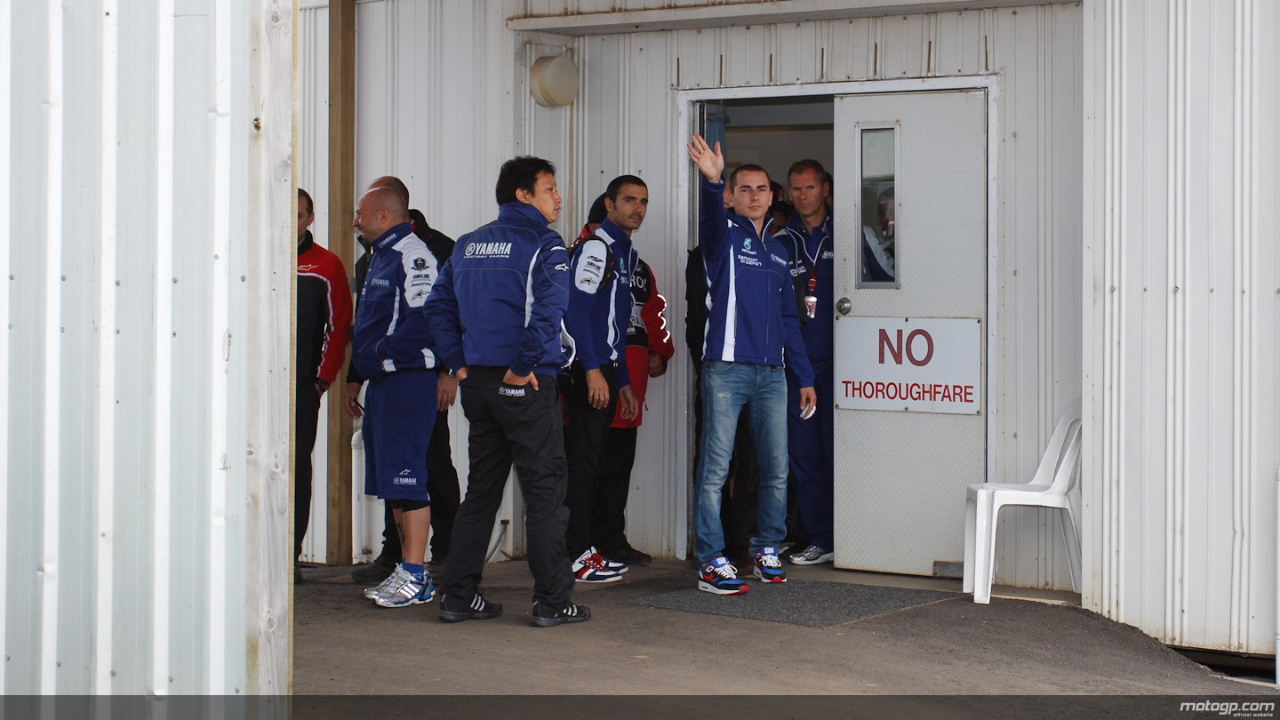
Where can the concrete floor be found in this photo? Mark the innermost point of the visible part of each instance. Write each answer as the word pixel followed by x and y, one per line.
pixel 345 645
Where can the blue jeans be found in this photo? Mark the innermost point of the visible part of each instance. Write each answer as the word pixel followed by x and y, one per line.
pixel 727 389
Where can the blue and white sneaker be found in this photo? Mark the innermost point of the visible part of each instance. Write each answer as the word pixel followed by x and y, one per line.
pixel 720 578
pixel 769 567
pixel 396 577
pixel 410 591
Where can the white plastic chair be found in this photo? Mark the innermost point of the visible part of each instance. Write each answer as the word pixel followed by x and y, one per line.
pixel 1057 475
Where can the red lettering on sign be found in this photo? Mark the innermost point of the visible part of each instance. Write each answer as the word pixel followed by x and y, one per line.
pixel 917 392
pixel 911 355
pixel 894 350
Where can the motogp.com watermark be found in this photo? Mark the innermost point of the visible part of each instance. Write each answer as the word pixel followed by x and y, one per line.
pixel 1231 709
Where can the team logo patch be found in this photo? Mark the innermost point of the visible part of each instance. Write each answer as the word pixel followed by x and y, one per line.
pixel 510 391
pixel 419 263
pixel 746 245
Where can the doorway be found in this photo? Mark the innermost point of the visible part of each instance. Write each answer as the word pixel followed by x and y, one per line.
pixel 898 467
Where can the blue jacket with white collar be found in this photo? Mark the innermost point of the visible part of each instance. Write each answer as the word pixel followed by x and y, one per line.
pixel 599 308
pixel 391 333
pixel 813 258
pixel 501 298
pixel 751 316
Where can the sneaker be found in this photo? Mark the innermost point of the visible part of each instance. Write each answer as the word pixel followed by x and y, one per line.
pixel 769 567
pixel 454 609
pixel 411 591
pixel 374 573
pixel 611 563
pixel 397 576
pixel 544 615
pixel 812 555
pixel 631 556
pixel 591 567
pixel 721 578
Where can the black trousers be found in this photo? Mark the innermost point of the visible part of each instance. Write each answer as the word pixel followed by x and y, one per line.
pixel 442 488
pixel 584 444
pixel 609 524
pixel 520 426
pixel 306 417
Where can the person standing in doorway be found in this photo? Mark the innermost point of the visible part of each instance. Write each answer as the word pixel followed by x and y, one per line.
pixel 752 334
pixel 324 321
pixel 393 349
pixel 497 314
pixel 811 440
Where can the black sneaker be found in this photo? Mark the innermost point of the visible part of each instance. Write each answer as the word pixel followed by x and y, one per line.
pixel 454 609
pixel 372 574
pixel 632 556
pixel 544 615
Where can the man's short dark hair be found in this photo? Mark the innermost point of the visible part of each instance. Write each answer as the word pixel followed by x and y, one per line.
pixel 748 167
pixel 615 185
pixel 520 173
pixel 808 164
pixel 304 195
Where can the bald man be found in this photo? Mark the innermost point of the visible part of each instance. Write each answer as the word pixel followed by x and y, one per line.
pixel 442 483
pixel 391 347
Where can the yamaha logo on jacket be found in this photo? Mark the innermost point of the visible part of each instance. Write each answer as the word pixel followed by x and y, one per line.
pixel 391 330
pixel 501 298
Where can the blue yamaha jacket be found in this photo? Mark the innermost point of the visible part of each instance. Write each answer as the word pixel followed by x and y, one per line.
pixel 751 306
pixel 391 332
pixel 813 258
pixel 501 298
pixel 600 308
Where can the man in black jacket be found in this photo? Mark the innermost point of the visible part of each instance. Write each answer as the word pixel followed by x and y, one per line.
pixel 442 477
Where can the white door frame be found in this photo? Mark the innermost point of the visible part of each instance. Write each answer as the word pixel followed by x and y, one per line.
pixel 687 99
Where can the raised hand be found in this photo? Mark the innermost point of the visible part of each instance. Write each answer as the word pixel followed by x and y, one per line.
pixel 710 162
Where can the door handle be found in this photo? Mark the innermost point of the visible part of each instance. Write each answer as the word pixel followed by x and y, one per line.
pixel 844 305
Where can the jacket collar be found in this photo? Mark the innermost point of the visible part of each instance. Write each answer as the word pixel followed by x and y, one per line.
pixel 746 224
pixel 612 234
pixel 797 224
pixel 517 211
pixel 306 243
pixel 392 236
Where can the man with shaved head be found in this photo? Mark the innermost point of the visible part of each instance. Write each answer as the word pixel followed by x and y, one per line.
pixel 442 477
pixel 391 347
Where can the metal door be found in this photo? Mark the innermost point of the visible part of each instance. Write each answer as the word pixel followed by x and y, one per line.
pixel 911 290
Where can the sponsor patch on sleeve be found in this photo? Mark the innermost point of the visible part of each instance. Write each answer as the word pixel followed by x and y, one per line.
pixel 591 263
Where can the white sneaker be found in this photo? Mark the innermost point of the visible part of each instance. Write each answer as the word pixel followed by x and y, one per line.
pixel 591 567
pixel 394 580
pixel 813 555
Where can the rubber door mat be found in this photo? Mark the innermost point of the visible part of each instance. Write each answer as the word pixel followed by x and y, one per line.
pixel 809 603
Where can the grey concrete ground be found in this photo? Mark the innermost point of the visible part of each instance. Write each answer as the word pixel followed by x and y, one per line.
pixel 345 645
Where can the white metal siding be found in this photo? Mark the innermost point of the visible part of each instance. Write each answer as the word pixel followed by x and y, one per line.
pixel 128 557
pixel 1183 279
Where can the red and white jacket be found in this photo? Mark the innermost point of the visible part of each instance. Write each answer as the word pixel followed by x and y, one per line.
pixel 647 332
pixel 324 312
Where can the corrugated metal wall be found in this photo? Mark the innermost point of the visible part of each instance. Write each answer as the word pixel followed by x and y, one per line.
pixel 144 409
pixel 1182 274
pixel 625 121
